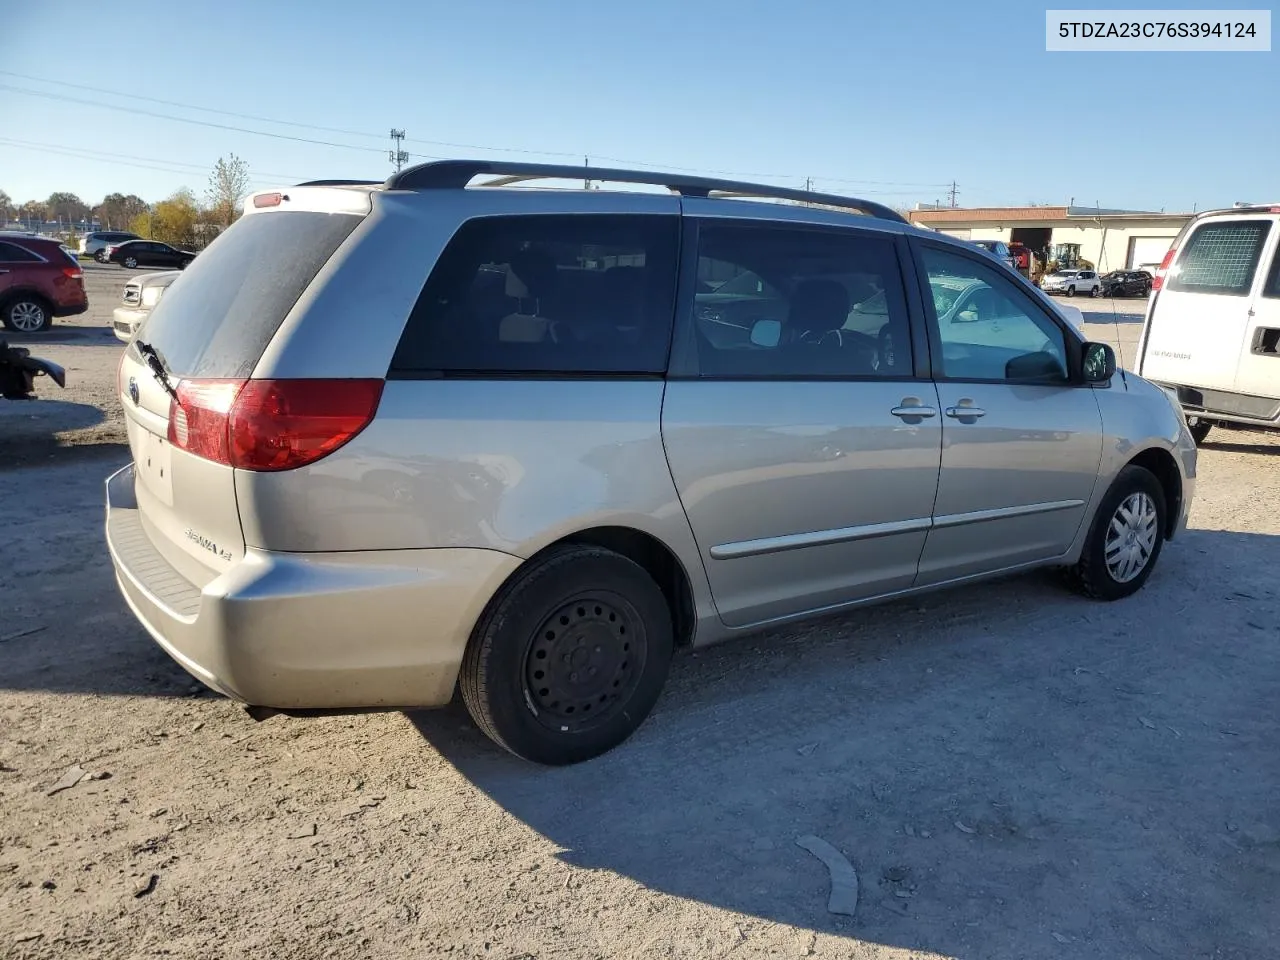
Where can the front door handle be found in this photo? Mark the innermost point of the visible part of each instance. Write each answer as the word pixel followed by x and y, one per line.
pixel 965 411
pixel 913 411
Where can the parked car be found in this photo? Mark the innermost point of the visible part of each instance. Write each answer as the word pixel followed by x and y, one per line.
pixel 1000 250
pixel 1212 330
pixel 1126 283
pixel 39 280
pixel 140 296
pixel 95 244
pixel 554 450
pixel 148 253
pixel 1072 282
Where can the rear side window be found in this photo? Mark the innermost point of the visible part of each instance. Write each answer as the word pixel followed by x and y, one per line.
pixel 1221 257
pixel 547 294
pixel 12 253
pixel 219 318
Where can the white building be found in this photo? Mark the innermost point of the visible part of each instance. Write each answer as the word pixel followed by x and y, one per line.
pixel 1109 239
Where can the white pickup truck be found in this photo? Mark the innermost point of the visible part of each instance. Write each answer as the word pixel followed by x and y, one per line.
pixel 141 294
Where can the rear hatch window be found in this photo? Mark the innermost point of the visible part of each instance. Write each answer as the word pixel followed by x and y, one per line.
pixel 218 318
pixel 1220 258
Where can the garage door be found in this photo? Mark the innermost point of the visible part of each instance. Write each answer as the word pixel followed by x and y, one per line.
pixel 1147 250
pixel 960 233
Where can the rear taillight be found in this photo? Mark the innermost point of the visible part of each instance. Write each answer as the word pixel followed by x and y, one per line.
pixel 198 417
pixel 270 424
pixel 75 273
pixel 1158 280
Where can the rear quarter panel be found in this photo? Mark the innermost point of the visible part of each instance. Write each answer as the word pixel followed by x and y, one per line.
pixel 508 465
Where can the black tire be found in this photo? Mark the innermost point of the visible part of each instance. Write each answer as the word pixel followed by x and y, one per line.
pixel 1071 291
pixel 603 623
pixel 1199 429
pixel 100 256
pixel 1092 575
pixel 131 262
pixel 1095 292
pixel 20 308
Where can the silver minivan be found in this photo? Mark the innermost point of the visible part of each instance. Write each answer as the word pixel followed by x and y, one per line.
pixel 1212 331
pixel 393 440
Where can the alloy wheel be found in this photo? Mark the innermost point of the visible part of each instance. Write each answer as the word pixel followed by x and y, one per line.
pixel 27 316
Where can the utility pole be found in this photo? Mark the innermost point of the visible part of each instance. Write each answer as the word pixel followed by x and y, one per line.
pixel 396 155
pixel 586 181
pixel 952 194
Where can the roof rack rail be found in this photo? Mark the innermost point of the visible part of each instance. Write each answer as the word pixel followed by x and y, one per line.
pixel 456 174
pixel 338 183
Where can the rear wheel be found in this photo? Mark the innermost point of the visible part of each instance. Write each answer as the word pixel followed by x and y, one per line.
pixel 570 657
pixel 1125 538
pixel 130 262
pixel 1199 428
pixel 27 314
pixel 100 256
pixel 1095 291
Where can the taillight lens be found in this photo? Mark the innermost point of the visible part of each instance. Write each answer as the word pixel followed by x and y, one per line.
pixel 198 417
pixel 270 424
pixel 75 273
pixel 1158 280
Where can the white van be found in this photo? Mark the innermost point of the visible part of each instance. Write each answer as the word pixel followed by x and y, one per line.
pixel 1212 330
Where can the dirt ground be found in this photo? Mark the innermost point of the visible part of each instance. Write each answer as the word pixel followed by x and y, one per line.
pixel 1014 772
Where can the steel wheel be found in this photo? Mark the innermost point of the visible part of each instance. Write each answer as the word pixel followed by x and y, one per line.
pixel 1131 537
pixel 582 666
pixel 27 316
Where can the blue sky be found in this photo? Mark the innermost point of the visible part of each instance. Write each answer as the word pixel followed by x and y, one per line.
pixel 890 101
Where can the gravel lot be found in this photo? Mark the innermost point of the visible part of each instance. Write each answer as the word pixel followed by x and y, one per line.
pixel 1013 772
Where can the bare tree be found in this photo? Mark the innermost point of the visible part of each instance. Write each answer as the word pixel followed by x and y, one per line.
pixel 6 207
pixel 228 186
pixel 117 210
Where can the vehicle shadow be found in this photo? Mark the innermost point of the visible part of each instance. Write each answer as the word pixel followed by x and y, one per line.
pixel 59 334
pixel 1237 446
pixel 1107 317
pixel 1008 768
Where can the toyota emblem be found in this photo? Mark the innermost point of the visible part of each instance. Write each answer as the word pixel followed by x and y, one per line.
pixel 133 390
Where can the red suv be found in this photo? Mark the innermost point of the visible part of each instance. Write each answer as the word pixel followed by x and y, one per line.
pixel 38 281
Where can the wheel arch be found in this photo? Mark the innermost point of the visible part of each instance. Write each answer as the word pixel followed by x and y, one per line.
pixel 1161 463
pixel 652 555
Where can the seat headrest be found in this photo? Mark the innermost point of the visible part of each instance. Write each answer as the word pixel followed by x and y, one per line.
pixel 819 304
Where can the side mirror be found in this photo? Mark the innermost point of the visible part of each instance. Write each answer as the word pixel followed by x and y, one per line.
pixel 1099 363
pixel 766 333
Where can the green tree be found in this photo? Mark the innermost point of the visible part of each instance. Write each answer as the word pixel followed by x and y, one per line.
pixel 174 219
pixel 66 206
pixel 6 207
pixel 228 186
pixel 117 211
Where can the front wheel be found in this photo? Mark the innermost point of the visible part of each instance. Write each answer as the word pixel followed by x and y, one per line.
pixel 1071 291
pixel 1125 538
pixel 1199 428
pixel 570 656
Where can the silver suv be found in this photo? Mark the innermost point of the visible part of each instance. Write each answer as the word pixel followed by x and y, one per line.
pixel 393 439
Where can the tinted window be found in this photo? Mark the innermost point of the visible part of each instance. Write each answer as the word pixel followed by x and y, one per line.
pixel 547 294
pixel 1220 257
pixel 800 303
pixel 1272 288
pixel 219 317
pixel 12 253
pixel 989 329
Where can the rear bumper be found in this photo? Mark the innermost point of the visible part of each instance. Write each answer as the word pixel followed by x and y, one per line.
pixel 71 309
pixel 309 631
pixel 1227 407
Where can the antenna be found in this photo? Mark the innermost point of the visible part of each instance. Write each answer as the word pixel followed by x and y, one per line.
pixel 396 155
pixel 1115 314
